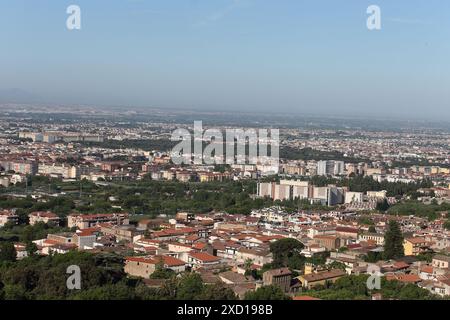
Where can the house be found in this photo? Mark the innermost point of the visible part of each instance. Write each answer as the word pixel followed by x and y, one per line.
pixel 202 259
pixel 259 256
pixel 378 238
pixel 89 220
pixel 124 232
pixel 406 278
pixel 230 277
pixel 84 239
pixel 311 280
pixel 8 216
pixel 61 238
pixel 144 266
pixel 415 246
pixel 330 242
pixel 347 233
pixel 45 217
pixel 21 251
pixel 440 261
pixel 139 266
pixel 278 277
pixel 61 248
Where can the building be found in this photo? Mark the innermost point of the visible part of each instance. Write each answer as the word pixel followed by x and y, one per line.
pixel 84 239
pixel 330 195
pixel 339 168
pixel 8 216
pixel 202 259
pixel 329 242
pixel 415 246
pixel 278 277
pixel 34 136
pixel 441 261
pixel 144 266
pixel 325 168
pixel 45 217
pixel 378 238
pixel 257 255
pixel 123 232
pixel 354 197
pixel 89 220
pixel 26 167
pixel 311 280
pixel 64 171
pixel 377 194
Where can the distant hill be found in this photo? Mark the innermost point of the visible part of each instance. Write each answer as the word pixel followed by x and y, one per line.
pixel 16 95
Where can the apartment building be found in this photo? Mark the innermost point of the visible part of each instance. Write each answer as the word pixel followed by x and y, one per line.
pixel 89 220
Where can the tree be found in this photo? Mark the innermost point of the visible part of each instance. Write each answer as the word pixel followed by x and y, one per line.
pixel 7 252
pixel 393 241
pixel 372 229
pixel 267 293
pixel 447 225
pixel 217 292
pixel 161 272
pixel 383 205
pixel 31 248
pixel 190 287
pixel 248 265
pixel 286 253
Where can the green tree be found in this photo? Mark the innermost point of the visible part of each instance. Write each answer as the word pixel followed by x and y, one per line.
pixel 161 272
pixel 267 293
pixel 447 225
pixel 31 248
pixel 190 287
pixel 393 241
pixel 217 292
pixel 7 252
pixel 286 253
pixel 383 205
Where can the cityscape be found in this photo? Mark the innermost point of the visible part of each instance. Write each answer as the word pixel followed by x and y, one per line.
pixel 233 150
pixel 340 203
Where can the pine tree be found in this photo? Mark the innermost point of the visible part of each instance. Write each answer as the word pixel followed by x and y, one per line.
pixel 393 241
pixel 7 251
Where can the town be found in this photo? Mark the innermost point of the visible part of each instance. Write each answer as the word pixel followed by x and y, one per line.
pixel 340 203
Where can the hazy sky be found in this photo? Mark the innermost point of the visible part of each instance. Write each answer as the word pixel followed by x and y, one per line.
pixel 290 55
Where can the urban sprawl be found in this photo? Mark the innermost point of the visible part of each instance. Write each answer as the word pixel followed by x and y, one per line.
pixel 103 192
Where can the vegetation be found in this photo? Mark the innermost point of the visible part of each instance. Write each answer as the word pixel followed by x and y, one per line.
pixel 28 233
pixel 355 288
pixel 7 252
pixel 418 209
pixel 266 293
pixel 393 241
pixel 143 144
pixel 102 278
pixel 286 253
pixel 290 153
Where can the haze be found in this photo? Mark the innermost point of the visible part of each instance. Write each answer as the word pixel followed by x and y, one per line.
pixel 288 56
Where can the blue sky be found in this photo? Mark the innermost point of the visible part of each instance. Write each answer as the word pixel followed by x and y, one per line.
pixel 312 56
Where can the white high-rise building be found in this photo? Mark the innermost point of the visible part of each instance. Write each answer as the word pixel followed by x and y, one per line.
pixel 339 167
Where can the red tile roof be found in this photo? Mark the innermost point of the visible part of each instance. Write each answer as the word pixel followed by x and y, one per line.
pixel 204 257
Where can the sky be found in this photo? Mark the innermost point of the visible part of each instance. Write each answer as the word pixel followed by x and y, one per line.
pixel 301 56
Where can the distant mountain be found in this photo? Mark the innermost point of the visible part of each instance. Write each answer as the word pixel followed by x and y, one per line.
pixel 16 95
